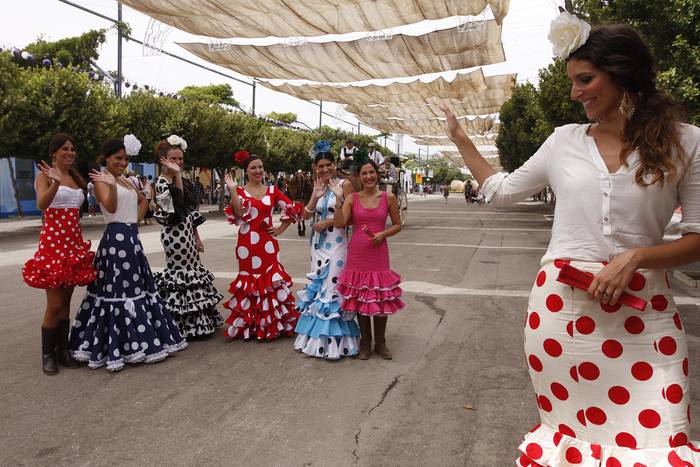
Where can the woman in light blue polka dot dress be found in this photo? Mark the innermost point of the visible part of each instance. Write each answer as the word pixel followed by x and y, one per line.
pixel 121 319
pixel 324 330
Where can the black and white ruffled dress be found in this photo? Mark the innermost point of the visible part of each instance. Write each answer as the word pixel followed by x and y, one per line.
pixel 186 287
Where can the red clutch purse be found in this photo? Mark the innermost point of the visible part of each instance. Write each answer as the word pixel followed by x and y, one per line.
pixel 574 277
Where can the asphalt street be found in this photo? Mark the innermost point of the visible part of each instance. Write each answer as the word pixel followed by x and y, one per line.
pixel 456 394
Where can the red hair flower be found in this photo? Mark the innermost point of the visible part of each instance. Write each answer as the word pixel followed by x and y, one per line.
pixel 241 156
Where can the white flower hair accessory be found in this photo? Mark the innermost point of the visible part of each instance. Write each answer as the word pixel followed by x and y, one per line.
pixel 175 140
pixel 567 33
pixel 132 145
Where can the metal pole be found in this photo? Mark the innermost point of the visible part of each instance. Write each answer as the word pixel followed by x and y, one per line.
pixel 320 113
pixel 253 106
pixel 358 127
pixel 118 83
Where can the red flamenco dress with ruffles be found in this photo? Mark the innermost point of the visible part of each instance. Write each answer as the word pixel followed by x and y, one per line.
pixel 262 305
pixel 63 259
pixel 367 284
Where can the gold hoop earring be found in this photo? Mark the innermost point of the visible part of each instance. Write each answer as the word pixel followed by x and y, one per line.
pixel 627 106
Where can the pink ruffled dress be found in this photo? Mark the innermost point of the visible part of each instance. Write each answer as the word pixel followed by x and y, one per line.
pixel 367 284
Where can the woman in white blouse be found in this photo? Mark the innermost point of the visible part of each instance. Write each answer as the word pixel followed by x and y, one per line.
pixel 610 380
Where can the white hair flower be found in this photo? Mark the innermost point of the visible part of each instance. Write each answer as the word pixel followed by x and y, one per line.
pixel 132 145
pixel 567 33
pixel 175 140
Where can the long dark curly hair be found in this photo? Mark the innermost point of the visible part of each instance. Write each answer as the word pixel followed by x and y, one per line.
pixel 653 129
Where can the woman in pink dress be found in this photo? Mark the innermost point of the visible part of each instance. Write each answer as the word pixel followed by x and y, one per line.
pixel 368 285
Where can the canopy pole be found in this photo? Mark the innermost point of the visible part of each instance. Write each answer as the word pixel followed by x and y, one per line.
pixel 118 83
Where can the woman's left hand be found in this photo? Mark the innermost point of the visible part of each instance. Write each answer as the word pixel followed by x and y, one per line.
pixel 378 238
pixel 199 245
pixel 276 231
pixel 612 280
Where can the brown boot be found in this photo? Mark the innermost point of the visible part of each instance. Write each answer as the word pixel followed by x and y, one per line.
pixel 380 337
pixel 62 354
pixel 365 337
pixel 48 350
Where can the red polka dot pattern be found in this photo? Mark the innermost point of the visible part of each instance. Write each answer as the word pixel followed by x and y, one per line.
pixel 611 348
pixel 642 371
pixel 677 321
pixel 559 391
pixel 667 345
pixel 534 450
pixel 585 325
pixel 596 415
pixel 535 363
pixel 573 455
pixel 610 308
pixel 634 325
pixel 552 347
pixel 545 403
pixel 680 439
pixel 673 393
pixel 637 283
pixel 589 371
pixel 649 418
pixel 541 278
pixel 626 440
pixel 565 430
pixel 659 303
pixel 554 303
pixel 534 320
pixel 619 395
pixel 612 462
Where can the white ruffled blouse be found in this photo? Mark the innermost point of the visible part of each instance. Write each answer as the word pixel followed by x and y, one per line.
pixel 599 214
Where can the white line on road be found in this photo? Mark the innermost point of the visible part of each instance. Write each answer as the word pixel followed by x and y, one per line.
pixel 445 218
pixel 459 245
pixel 481 228
pixel 476 213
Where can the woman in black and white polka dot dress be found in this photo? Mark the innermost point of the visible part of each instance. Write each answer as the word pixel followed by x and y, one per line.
pixel 186 287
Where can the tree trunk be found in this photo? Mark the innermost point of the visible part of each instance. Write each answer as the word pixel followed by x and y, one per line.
pixel 222 190
pixel 20 213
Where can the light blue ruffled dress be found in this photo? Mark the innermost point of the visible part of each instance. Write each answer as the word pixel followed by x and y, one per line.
pixel 324 330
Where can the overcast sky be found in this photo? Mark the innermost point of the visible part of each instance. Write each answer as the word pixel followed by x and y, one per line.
pixel 524 40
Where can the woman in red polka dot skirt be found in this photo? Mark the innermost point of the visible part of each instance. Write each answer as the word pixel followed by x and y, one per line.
pixel 63 259
pixel 262 306
pixel 611 381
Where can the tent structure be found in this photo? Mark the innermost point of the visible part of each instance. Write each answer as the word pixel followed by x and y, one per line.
pixel 443 141
pixel 304 18
pixel 498 90
pixel 435 126
pixel 358 60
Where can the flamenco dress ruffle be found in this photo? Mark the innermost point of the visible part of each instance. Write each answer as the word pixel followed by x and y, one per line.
pixel 262 306
pixel 122 318
pixel 545 447
pixel 324 330
pixel 63 259
pixel 186 286
pixel 371 292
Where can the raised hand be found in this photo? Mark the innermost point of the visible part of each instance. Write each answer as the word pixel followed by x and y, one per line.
pixel 453 129
pixel 230 183
pixel 172 167
pixel 319 188
pixel 51 171
pixel 104 177
pixel 336 187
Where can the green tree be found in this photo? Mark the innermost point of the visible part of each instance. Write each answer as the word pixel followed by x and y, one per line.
pixel 72 51
pixel 553 97
pixel 288 117
pixel 523 128
pixel 146 116
pixel 672 29
pixel 212 94
pixel 287 150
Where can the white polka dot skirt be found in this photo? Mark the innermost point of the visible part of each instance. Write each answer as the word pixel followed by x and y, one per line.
pixel 122 318
pixel 611 382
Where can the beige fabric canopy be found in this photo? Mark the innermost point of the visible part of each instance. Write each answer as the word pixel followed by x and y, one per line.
pixel 428 126
pixel 283 18
pixel 389 94
pixel 488 101
pixel 402 55
pixel 478 140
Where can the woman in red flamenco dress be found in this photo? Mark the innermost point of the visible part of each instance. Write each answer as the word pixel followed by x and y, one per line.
pixel 262 306
pixel 63 259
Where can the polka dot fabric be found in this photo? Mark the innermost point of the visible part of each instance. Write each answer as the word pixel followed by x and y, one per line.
pixel 367 284
pixel 63 259
pixel 262 305
pixel 186 286
pixel 122 319
pixel 324 330
pixel 611 383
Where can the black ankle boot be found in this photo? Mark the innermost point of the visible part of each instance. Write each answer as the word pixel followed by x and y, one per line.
pixel 62 354
pixel 48 350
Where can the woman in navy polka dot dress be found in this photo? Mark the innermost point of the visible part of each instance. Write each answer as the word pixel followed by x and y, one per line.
pixel 186 287
pixel 121 319
pixel 324 330
pixel 262 306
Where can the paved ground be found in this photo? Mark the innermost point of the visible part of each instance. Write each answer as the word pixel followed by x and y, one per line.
pixel 457 392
